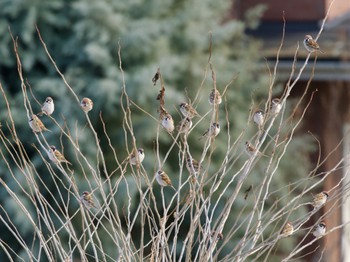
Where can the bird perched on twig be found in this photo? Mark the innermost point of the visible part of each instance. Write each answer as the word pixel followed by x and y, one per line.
pixel 250 149
pixel 212 131
pixel 276 106
pixel 185 125
pixel 47 107
pixel 258 117
pixel 168 123
pixel 163 179
pixel 320 199
pixel 319 230
pixel 311 45
pixel 86 104
pixel 193 166
pixel 139 158
pixel 287 230
pixel 36 124
pixel 87 200
pixel 215 97
pixel 188 111
pixel 56 156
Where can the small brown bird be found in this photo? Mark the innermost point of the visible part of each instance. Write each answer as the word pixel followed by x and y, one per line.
pixel 193 166
pixel 319 230
pixel 213 130
pixel 87 200
pixel 48 107
pixel 188 111
pixel 275 106
pixel 311 45
pixel 140 156
pixel 185 125
pixel 215 97
pixel 163 179
pixel 168 123
pixel 287 230
pixel 258 117
pixel 36 124
pixel 249 148
pixel 320 199
pixel 86 104
pixel 56 156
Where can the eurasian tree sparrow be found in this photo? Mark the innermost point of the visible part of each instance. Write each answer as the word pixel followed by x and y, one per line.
pixel 213 130
pixel 275 106
pixel 168 123
pixel 56 156
pixel 185 125
pixel 287 230
pixel 215 97
pixel 87 200
pixel 47 107
pixel 258 117
pixel 36 124
pixel 140 156
pixel 188 111
pixel 310 44
pixel 319 230
pixel 249 148
pixel 86 104
pixel 193 166
pixel 163 179
pixel 320 199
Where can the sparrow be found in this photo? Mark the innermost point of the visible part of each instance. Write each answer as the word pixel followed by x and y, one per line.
pixel 249 148
pixel 36 124
pixel 213 130
pixel 193 166
pixel 287 230
pixel 140 156
pixel 168 123
pixel 87 200
pixel 56 156
pixel 47 107
pixel 258 117
pixel 275 106
pixel 188 111
pixel 215 97
pixel 310 44
pixel 319 230
pixel 86 104
pixel 163 179
pixel 185 125
pixel 320 199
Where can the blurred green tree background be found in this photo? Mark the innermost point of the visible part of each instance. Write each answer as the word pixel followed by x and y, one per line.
pixel 174 35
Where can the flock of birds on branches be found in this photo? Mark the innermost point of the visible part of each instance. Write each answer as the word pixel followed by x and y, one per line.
pixel 167 122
